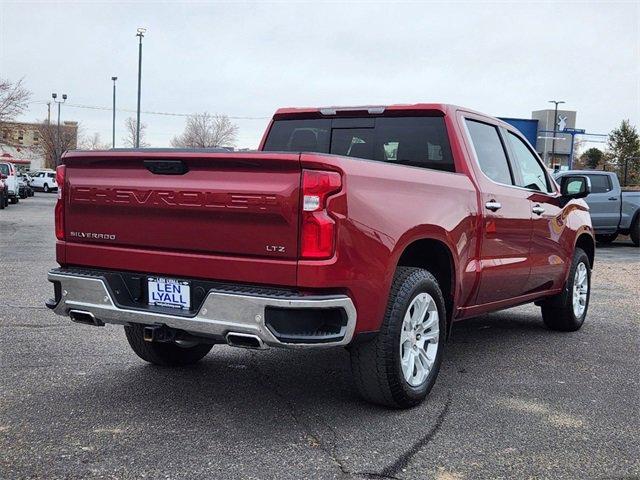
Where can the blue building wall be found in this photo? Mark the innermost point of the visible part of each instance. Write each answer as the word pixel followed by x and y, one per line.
pixel 528 128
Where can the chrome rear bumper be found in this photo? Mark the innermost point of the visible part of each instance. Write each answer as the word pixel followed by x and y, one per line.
pixel 221 313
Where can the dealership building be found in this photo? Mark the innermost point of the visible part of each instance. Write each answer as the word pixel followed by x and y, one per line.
pixel 539 132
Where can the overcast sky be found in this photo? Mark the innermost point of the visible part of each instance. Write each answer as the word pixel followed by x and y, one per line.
pixel 248 59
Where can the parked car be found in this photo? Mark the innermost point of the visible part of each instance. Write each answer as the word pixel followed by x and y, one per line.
pixel 613 210
pixel 9 170
pixel 24 190
pixel 373 228
pixel 29 182
pixel 45 180
pixel 4 191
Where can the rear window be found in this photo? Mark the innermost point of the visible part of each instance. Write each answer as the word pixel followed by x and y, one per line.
pixel 415 141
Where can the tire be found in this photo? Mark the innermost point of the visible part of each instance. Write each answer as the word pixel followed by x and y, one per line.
pixel 634 233
pixel 377 365
pixel 608 238
pixel 14 200
pixel 164 354
pixel 558 312
pixel 2 203
pixel 45 188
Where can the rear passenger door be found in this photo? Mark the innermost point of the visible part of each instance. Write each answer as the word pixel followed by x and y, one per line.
pixel 604 203
pixel 506 233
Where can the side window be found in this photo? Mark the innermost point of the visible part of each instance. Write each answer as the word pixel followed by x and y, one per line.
pixel 490 152
pixel 51 175
pixel 532 173
pixel 600 183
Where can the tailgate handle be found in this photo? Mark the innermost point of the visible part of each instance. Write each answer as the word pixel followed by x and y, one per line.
pixel 166 167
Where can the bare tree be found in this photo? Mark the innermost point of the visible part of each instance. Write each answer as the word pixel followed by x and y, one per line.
pixel 14 98
pixel 130 137
pixel 48 144
pixel 93 142
pixel 204 130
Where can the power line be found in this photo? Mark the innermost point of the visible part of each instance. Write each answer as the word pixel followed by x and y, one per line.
pixel 167 114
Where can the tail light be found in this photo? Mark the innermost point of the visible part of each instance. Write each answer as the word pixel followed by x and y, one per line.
pixel 59 210
pixel 318 228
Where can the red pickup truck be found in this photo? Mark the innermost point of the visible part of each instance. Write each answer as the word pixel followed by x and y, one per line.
pixel 373 228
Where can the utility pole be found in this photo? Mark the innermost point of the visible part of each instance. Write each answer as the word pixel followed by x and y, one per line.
pixel 113 128
pixel 58 153
pixel 555 128
pixel 48 113
pixel 140 35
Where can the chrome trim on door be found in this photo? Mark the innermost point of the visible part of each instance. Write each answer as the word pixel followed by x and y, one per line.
pixel 537 209
pixel 493 205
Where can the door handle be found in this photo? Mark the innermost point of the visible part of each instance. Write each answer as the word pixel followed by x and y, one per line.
pixel 493 205
pixel 613 198
pixel 537 209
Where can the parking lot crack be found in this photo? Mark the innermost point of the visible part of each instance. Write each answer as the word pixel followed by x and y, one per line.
pixel 401 463
pixel 269 384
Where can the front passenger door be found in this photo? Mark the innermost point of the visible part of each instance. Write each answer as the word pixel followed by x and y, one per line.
pixel 547 257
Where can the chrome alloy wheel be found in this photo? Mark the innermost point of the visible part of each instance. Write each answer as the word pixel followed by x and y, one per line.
pixel 580 290
pixel 419 339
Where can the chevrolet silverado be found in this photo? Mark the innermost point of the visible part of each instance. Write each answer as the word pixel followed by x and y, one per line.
pixel 373 228
pixel 613 210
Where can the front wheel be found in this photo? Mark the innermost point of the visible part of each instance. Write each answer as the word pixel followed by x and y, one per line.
pixel 165 354
pixel 608 238
pixel 566 311
pixel 45 188
pixel 399 367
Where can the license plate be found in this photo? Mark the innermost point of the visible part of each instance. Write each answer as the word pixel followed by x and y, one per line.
pixel 166 292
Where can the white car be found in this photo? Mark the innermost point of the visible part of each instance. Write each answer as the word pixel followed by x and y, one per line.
pixel 45 180
pixel 9 170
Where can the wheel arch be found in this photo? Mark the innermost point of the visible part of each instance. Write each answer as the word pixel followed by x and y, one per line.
pixel 435 255
pixel 586 242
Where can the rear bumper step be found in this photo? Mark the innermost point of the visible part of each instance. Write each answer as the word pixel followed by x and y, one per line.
pixel 239 318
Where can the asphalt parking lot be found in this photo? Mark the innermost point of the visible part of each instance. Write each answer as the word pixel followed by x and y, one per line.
pixel 513 400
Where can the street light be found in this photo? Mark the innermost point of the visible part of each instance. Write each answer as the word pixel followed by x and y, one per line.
pixel 113 128
pixel 58 153
pixel 555 127
pixel 141 31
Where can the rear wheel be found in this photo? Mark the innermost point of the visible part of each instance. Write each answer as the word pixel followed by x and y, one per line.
pixel 14 200
pixel 2 202
pixel 635 231
pixel 399 367
pixel 606 238
pixel 566 311
pixel 165 354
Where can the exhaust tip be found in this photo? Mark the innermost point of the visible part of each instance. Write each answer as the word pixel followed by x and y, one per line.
pixel 245 340
pixel 86 318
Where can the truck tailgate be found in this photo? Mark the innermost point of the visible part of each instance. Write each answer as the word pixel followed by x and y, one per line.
pixel 236 204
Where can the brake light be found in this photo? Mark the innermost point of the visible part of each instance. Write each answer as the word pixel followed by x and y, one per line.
pixel 317 239
pixel 59 210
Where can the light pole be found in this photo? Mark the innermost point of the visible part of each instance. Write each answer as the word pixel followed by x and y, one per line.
pixel 140 34
pixel 59 102
pixel 113 128
pixel 555 128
